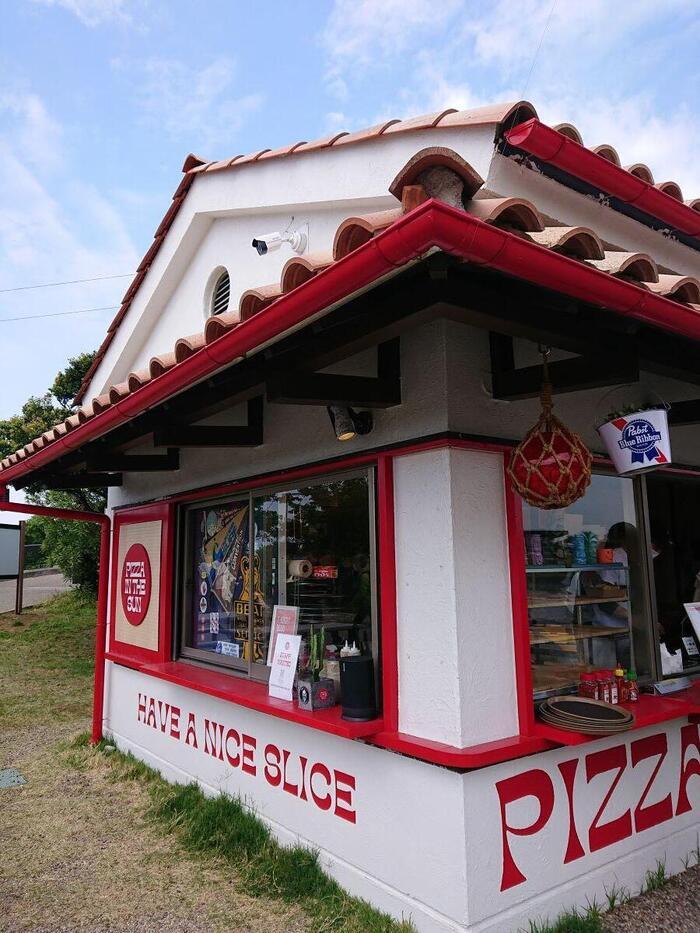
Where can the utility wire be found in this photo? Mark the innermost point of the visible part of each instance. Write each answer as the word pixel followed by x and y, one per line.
pixel 97 278
pixel 33 317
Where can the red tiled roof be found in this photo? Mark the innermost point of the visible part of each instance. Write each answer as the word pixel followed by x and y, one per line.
pixel 519 223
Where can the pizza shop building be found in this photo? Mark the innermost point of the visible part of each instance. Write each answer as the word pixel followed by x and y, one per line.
pixel 310 413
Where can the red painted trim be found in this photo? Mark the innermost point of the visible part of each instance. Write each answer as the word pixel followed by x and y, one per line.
pixel 162 512
pixel 552 147
pixel 431 224
pixel 521 621
pixel 103 521
pixel 473 756
pixel 252 694
pixel 387 591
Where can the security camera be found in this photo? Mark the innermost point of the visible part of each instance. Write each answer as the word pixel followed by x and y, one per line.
pixel 268 242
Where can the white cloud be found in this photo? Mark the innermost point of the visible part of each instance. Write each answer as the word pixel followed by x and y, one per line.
pixel 93 12
pixel 54 226
pixel 189 102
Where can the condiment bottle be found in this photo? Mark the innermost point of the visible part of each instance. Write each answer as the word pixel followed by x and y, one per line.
pixel 620 685
pixel 588 686
pixel 603 686
pixel 331 668
pixel 632 687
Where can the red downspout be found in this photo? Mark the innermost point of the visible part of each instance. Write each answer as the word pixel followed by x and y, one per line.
pixel 102 591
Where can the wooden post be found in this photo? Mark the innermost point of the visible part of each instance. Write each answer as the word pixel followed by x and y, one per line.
pixel 20 569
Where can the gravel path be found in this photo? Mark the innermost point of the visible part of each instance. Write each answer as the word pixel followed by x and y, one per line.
pixel 674 908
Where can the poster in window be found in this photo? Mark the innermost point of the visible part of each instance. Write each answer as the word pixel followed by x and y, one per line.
pixel 285 620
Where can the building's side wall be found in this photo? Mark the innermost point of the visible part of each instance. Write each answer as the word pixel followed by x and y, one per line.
pixel 390 829
pixel 542 837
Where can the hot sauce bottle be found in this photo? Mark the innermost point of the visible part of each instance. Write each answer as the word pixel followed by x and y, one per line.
pixel 603 686
pixel 632 687
pixel 619 694
pixel 588 686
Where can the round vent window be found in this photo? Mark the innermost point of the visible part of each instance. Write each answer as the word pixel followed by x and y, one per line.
pixel 221 294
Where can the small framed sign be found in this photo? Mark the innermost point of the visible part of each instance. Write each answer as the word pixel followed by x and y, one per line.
pixel 284 666
pixel 285 621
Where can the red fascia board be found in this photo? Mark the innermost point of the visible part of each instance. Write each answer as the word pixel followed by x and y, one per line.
pixel 552 147
pixel 432 224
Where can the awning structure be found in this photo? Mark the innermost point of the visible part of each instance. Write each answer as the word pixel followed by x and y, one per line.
pixel 490 261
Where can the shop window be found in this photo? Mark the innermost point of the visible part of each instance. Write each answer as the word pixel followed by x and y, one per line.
pixel 309 546
pixel 586 594
pixel 674 504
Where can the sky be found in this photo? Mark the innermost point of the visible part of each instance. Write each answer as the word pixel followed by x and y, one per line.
pixel 101 100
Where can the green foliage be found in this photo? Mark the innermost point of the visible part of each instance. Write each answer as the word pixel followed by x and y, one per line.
pixel 71 546
pixel 222 828
pixel 573 921
pixel 656 878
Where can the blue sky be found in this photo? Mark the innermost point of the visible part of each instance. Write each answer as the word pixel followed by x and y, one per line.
pixel 100 100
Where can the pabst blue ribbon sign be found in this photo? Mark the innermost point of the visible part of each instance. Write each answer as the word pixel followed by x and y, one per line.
pixel 136 584
pixel 638 441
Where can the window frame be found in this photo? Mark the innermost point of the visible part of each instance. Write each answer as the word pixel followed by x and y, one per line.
pixel 247 495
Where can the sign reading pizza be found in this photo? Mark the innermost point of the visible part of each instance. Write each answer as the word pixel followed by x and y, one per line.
pixel 136 584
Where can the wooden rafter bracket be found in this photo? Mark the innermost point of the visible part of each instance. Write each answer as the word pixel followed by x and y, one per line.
pixel 114 461
pixel 187 435
pixel 570 375
pixel 308 388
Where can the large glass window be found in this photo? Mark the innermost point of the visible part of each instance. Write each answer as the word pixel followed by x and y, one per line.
pixel 309 546
pixel 586 586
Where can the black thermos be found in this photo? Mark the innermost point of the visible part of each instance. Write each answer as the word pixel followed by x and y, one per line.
pixel 357 688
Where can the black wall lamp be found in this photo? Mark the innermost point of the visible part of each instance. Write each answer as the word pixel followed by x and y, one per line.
pixel 348 423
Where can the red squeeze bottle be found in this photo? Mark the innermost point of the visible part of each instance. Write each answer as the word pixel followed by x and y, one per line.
pixel 603 686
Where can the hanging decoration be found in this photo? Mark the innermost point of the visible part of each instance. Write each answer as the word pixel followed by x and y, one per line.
pixel 551 467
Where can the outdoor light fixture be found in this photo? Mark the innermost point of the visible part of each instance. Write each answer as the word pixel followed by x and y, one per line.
pixel 269 242
pixel 347 423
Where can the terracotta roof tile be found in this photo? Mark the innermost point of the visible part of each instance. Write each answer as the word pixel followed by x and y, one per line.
pixel 192 161
pixel 505 114
pixel 299 269
pixel 282 151
pixel 683 288
pixel 138 379
pixel 640 170
pixel 422 122
pixel 638 266
pixel 609 153
pixel 118 392
pixel 578 242
pixel 250 157
pixel 570 131
pixel 671 188
pixel 361 135
pixel 512 212
pixel 429 158
pixel 161 364
pixel 218 325
pixel 186 346
pixel 354 231
pixel 255 299
pixel 693 204
pixel 322 143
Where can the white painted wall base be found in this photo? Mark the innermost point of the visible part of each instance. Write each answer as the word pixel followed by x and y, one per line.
pixel 427 843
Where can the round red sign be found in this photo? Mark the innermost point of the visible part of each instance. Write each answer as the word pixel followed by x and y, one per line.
pixel 136 584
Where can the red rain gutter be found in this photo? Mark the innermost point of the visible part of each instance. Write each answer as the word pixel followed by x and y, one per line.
pixel 552 147
pixel 103 521
pixel 432 224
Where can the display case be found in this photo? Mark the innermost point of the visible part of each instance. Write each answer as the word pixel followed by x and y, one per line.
pixel 580 620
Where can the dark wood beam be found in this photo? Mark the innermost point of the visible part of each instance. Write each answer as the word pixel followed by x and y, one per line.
pixel 570 375
pixel 683 413
pixel 187 435
pixel 326 389
pixel 135 463
pixel 72 480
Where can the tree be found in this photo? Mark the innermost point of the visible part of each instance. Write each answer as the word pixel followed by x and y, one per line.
pixel 72 546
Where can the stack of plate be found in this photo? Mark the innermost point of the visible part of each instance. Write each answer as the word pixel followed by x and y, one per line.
pixel 579 714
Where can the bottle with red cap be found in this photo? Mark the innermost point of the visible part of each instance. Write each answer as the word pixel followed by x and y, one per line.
pixel 588 686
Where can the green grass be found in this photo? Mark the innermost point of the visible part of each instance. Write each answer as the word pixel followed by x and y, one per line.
pixel 222 828
pixel 46 662
pixel 573 921
pixel 656 878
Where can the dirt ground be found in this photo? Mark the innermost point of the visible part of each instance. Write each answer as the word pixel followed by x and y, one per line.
pixel 77 852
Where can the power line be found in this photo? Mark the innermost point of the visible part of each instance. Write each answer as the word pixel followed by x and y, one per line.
pixel 97 278
pixel 33 317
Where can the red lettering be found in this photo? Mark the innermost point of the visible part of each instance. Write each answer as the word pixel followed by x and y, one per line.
pixel 272 770
pixel 233 760
pixel 322 802
pixel 601 835
pixel 535 783
pixel 690 738
pixel 175 713
pixel 302 781
pixel 210 738
pixel 151 719
pixel 574 849
pixel 655 813
pixel 163 717
pixel 292 789
pixel 344 787
pixel 191 734
pixel 141 714
pixel 249 746
pixel 220 754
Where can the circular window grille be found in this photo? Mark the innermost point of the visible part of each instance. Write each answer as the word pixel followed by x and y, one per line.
pixel 221 294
